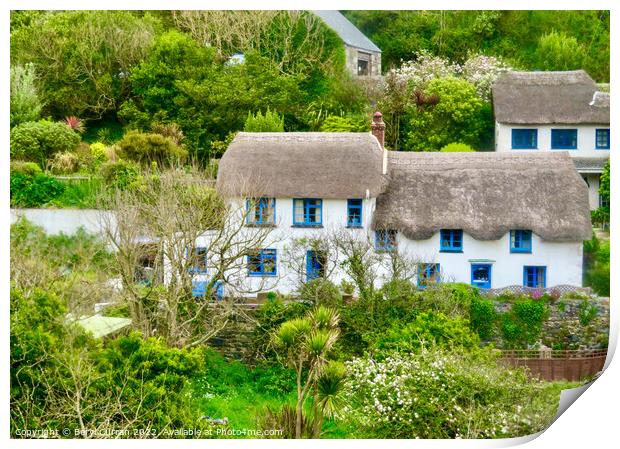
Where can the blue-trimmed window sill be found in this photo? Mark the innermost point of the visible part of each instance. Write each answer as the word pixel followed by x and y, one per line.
pixel 261 225
pixel 262 275
pixel 355 227
pixel 519 251
pixel 307 226
pixel 451 251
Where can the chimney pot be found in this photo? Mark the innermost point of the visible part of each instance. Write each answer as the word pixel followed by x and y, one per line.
pixel 377 128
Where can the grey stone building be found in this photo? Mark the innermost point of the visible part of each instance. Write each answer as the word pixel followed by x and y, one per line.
pixel 363 57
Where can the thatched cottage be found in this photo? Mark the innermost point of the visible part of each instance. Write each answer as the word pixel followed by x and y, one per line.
pixel 555 112
pixel 489 219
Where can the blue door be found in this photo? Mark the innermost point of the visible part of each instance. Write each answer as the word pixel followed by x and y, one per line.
pixel 314 265
pixel 481 275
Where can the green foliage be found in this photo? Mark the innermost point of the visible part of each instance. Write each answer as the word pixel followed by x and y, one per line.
pixel 38 141
pixel 513 35
pixel 587 312
pixel 459 116
pixel 34 191
pixel 558 51
pixel 456 147
pixel 25 102
pixel 597 265
pixel 259 123
pixel 522 326
pixel 427 329
pixel 119 175
pixel 321 291
pixel 25 168
pixel 336 124
pixel 482 317
pixel 149 147
pixel 601 215
pixel 445 394
pixel 83 58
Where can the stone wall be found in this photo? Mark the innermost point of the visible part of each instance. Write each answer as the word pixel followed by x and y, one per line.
pixel 351 61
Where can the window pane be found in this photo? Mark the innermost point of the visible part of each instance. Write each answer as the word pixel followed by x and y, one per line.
pixel 299 211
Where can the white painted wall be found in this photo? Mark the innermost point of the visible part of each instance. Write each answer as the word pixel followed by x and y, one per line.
pixel 562 259
pixel 586 138
pixel 67 221
pixel 593 181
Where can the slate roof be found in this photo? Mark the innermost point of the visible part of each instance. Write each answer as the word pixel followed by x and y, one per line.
pixel 348 32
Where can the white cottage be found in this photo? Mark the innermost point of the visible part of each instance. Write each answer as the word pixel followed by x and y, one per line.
pixel 554 112
pixel 489 219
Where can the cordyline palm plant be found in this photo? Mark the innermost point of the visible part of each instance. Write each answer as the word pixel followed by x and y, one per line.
pixel 306 343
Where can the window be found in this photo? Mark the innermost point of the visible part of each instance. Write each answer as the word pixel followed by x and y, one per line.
pixel 198 260
pixel 307 212
pixel 520 241
pixel 363 63
pixel 385 240
pixel 563 139
pixel 535 277
pixel 315 265
pixel 262 263
pixel 261 211
pixel 524 139
pixel 199 289
pixel 354 213
pixel 428 273
pixel 451 240
pixel 602 139
pixel 481 275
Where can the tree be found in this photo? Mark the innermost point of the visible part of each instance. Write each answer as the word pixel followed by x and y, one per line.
pixel 557 51
pixel 83 58
pixel 25 102
pixel 259 123
pixel 458 115
pixel 305 344
pixel 161 221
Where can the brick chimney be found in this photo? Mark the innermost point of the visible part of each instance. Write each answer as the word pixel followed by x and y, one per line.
pixel 377 128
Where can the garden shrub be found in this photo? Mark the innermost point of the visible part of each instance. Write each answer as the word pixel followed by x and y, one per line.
pixel 34 191
pixel 259 123
pixel 522 326
pixel 64 163
pixel 453 299
pixel 439 394
pixel 587 312
pixel 427 329
pixel 38 141
pixel 336 124
pixel 25 168
pixel 482 317
pixel 457 147
pixel 120 174
pixel 321 291
pixel 151 147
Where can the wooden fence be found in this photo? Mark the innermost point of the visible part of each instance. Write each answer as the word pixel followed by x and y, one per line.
pixel 571 365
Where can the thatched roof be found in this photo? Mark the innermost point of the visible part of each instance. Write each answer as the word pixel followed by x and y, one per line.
pixel 532 98
pixel 311 165
pixel 485 194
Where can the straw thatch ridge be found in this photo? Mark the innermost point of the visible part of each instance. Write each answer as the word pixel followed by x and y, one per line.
pixel 306 165
pixel 531 98
pixel 485 194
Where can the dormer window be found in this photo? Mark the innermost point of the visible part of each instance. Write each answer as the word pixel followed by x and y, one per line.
pixel 385 240
pixel 520 241
pixel 261 211
pixel 563 139
pixel 451 240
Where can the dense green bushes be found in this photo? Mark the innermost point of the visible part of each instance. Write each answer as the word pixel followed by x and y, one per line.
pixel 597 265
pixel 151 147
pixel 34 191
pixel 38 141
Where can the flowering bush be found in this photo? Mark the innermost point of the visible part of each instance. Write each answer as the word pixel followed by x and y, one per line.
pixel 482 71
pixel 436 394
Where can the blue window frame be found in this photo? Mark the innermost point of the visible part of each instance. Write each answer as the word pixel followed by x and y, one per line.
pixel 307 212
pixel 602 139
pixel 451 240
pixel 385 240
pixel 535 277
pixel 520 241
pixel 428 274
pixel 481 275
pixel 563 139
pixel 263 263
pixel 354 213
pixel 198 259
pixel 199 289
pixel 524 139
pixel 261 211
pixel 315 265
